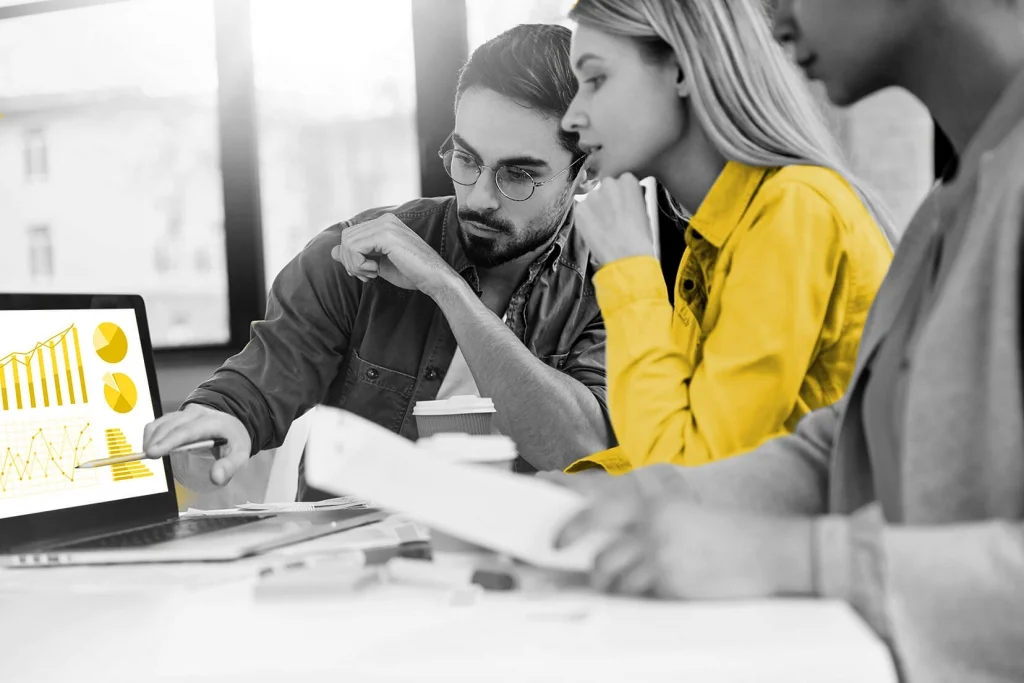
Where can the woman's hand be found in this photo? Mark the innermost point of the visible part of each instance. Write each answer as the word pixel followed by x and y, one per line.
pixel 613 220
pixel 671 547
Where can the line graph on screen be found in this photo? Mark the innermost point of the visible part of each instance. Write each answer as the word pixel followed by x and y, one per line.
pixel 41 458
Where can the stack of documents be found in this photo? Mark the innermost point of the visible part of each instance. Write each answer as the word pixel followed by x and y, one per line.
pixel 505 512
pixel 251 509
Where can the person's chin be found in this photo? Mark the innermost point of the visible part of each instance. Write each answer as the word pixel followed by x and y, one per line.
pixel 481 245
pixel 843 94
pixel 608 169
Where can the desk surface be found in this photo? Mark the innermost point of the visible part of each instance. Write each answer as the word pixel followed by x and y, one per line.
pixel 204 623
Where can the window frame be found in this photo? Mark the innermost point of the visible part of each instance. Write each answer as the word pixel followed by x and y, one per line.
pixel 440 46
pixel 40 250
pixel 36 157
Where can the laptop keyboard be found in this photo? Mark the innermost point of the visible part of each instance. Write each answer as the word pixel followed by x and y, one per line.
pixel 160 533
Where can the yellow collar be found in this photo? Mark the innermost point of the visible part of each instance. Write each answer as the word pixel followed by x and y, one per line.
pixel 727 201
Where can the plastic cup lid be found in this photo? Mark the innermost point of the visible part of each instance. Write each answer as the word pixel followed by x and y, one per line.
pixel 456 405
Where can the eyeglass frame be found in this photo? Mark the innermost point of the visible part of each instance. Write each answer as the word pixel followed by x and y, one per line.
pixel 442 152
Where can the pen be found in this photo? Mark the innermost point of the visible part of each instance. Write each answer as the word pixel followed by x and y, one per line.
pixel 209 444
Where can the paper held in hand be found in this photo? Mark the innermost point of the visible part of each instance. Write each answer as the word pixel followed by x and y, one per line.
pixel 509 513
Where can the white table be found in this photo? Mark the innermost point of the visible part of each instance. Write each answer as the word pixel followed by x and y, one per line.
pixel 204 623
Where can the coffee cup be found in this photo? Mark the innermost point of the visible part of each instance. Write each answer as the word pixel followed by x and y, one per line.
pixel 459 414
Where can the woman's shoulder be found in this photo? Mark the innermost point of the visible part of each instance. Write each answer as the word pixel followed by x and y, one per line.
pixel 819 189
pixel 808 181
pixel 797 196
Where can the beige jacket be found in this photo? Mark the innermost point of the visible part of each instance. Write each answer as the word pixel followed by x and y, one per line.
pixel 946 587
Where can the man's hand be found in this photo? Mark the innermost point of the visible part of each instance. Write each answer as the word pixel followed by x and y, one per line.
pixel 673 548
pixel 195 423
pixel 613 220
pixel 386 247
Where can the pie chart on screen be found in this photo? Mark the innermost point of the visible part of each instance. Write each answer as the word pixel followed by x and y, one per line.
pixel 110 342
pixel 120 392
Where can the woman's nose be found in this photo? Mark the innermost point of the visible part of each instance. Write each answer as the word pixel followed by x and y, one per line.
pixel 574 118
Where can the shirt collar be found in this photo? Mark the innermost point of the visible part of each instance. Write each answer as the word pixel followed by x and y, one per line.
pixel 727 201
pixel 1004 117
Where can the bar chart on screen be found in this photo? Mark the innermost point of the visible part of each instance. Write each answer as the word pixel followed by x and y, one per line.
pixel 48 375
pixel 117 444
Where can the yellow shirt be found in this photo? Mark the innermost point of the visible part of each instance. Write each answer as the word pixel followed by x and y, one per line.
pixel 780 270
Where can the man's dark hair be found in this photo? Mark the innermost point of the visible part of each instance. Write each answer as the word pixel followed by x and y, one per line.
pixel 530 65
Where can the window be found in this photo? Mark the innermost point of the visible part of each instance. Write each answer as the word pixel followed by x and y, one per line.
pixel 486 19
pixel 36 165
pixel 336 103
pixel 121 121
pixel 40 252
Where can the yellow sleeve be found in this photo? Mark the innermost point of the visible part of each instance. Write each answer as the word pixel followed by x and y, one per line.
pixel 781 278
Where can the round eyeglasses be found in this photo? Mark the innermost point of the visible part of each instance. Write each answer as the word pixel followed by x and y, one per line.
pixel 512 181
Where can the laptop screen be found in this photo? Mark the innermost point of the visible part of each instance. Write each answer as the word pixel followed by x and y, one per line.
pixel 74 387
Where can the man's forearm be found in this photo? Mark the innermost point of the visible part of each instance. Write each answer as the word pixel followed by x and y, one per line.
pixel 553 419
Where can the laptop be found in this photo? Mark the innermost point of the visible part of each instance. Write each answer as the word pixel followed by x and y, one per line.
pixel 77 383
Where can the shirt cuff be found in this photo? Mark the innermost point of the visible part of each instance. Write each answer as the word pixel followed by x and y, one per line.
pixel 219 402
pixel 627 281
pixel 613 461
pixel 849 563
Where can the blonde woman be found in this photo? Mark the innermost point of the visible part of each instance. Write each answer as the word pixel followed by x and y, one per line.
pixel 785 247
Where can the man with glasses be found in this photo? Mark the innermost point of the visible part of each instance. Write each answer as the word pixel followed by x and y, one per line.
pixel 487 292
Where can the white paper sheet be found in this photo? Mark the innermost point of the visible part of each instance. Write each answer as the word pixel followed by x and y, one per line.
pixel 255 509
pixel 506 512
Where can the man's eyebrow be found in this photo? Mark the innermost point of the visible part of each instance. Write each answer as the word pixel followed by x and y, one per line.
pixel 584 58
pixel 532 162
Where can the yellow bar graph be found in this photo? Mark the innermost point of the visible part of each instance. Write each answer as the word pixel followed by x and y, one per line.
pixel 56 375
pixel 31 384
pixel 117 444
pixel 42 379
pixel 78 361
pixel 36 381
pixel 17 384
pixel 67 367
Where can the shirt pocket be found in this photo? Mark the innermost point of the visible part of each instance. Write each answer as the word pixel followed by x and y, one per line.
pixel 376 392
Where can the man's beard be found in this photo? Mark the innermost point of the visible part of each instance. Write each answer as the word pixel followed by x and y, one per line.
pixel 505 245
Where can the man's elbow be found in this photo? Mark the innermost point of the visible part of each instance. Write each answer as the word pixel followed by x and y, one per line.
pixel 598 434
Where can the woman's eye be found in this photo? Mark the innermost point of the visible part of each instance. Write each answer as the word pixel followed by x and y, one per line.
pixel 595 82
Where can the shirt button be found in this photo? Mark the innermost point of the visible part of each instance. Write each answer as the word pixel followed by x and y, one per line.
pixel 372 373
pixel 688 285
pixel 431 374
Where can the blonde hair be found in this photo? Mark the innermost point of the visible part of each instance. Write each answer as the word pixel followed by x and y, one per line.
pixel 748 96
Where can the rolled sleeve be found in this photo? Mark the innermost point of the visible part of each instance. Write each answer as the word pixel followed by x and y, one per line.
pixel 295 352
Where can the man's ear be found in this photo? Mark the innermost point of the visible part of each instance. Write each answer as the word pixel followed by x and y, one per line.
pixel 585 183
